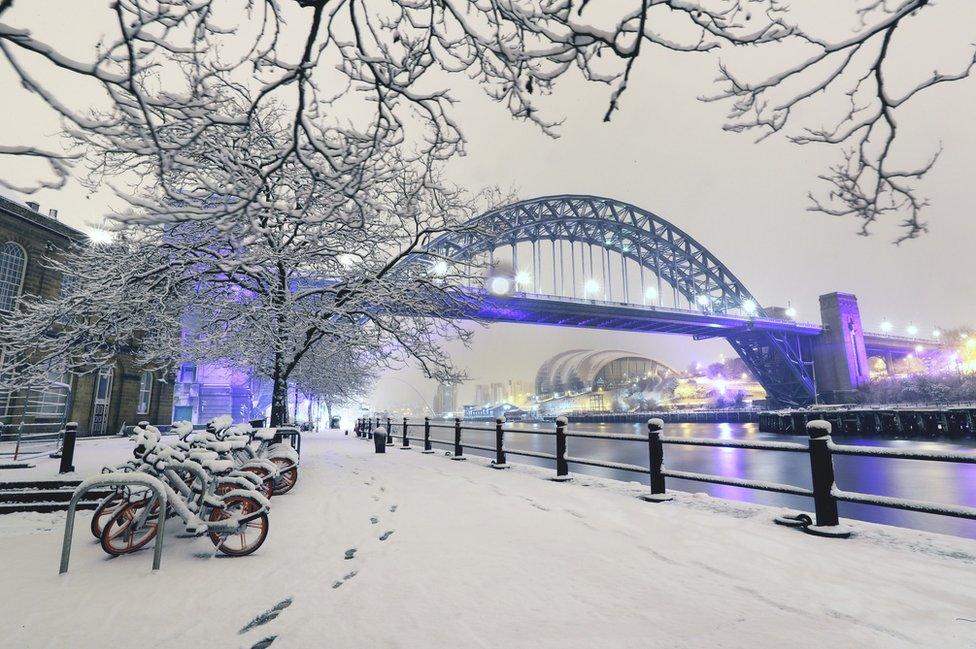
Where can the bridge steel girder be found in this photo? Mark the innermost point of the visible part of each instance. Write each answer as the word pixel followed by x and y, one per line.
pixel 780 361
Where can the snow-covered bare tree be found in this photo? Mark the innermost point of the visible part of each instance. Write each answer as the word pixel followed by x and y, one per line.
pixel 357 77
pixel 338 376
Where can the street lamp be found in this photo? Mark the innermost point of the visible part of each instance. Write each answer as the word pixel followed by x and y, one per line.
pixel 591 286
pixel 886 327
pixel 749 307
pixel 100 236
pixel 650 294
pixel 936 333
pixel 912 330
pixel 440 268
pixel 791 313
pixel 499 285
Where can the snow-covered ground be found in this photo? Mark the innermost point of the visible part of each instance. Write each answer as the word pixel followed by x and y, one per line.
pixel 455 554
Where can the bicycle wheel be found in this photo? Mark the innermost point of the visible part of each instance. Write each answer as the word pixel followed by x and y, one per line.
pixel 266 487
pixel 286 478
pixel 123 534
pixel 248 536
pixel 104 513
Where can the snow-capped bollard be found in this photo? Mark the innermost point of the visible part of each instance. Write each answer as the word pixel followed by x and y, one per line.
pixel 655 463
pixel 427 447
pixel 458 449
pixel 822 473
pixel 562 466
pixel 405 441
pixel 68 447
pixel 379 439
pixel 499 461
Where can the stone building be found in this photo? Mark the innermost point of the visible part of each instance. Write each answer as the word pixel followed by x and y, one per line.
pixel 101 402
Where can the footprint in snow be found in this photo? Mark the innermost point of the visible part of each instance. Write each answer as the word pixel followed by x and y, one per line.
pixel 344 579
pixel 264 643
pixel 376 498
pixel 393 508
pixel 386 535
pixel 267 616
pixel 350 553
pixel 374 520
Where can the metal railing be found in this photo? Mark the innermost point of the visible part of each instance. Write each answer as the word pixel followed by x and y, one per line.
pixel 820 449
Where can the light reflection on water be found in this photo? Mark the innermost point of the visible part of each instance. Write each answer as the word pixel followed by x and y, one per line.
pixel 940 482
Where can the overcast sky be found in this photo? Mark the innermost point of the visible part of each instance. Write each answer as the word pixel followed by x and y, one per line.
pixel 666 152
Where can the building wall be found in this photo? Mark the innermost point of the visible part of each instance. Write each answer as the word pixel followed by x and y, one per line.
pixel 43 236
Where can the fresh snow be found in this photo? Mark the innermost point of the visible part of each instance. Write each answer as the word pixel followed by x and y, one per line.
pixel 479 558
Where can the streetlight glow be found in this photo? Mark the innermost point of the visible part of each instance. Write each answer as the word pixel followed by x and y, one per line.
pixel 591 286
pixel 100 237
pixel 936 333
pixel 499 285
pixel 886 327
pixel 650 294
pixel 912 330
pixel 522 278
pixel 440 268
pixel 749 307
pixel 791 313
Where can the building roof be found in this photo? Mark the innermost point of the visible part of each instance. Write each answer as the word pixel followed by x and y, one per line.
pixel 578 368
pixel 36 219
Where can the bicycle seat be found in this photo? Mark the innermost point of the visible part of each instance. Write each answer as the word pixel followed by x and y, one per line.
pixel 200 455
pixel 265 434
pixel 218 467
pixel 219 447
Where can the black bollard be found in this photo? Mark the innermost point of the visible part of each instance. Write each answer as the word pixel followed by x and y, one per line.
pixel 822 472
pixel 562 466
pixel 389 432
pixel 68 447
pixel 655 463
pixel 458 449
pixel 499 461
pixel 405 441
pixel 427 446
pixel 379 439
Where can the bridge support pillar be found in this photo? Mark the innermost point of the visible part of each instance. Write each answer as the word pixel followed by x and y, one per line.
pixel 839 358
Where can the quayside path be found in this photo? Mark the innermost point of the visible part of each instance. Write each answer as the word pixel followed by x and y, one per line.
pixel 412 550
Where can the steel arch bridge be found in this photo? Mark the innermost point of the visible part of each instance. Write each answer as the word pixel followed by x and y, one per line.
pixel 648 249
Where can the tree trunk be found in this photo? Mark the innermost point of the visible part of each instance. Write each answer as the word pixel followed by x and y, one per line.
pixel 279 397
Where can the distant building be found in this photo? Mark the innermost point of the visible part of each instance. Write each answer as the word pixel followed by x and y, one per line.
pixel 498 393
pixel 445 399
pixel 101 402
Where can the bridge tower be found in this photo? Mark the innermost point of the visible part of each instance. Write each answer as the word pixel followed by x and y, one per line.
pixel 839 358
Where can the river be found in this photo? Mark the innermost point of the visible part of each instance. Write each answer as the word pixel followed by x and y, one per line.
pixel 941 482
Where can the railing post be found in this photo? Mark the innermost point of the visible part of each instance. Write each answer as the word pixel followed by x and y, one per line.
pixel 405 442
pixel 655 463
pixel 822 473
pixel 562 466
pixel 369 428
pixel 458 450
pixel 389 432
pixel 499 461
pixel 427 447
pixel 68 447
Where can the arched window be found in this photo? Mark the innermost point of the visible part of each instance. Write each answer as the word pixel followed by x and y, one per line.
pixel 13 264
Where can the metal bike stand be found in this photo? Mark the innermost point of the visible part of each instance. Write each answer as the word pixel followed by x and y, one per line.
pixel 135 478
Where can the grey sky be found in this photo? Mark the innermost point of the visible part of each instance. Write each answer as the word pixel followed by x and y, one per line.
pixel 665 151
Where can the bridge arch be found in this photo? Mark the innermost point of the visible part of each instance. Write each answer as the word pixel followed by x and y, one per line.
pixel 635 234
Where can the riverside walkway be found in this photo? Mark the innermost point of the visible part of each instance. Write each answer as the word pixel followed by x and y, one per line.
pixel 454 554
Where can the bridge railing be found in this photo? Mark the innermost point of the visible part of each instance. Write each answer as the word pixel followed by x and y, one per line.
pixel 820 449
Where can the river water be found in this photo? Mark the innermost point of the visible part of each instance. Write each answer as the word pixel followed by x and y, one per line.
pixel 941 482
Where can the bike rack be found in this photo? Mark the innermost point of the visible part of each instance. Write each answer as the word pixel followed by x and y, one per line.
pixel 103 480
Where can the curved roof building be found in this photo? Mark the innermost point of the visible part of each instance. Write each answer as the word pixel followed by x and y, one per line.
pixel 583 370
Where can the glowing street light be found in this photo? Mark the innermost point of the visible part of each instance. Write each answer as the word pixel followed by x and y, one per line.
pixel 439 268
pixel 100 236
pixel 499 285
pixel 912 330
pixel 650 294
pixel 591 286
pixel 749 306
pixel 791 313
pixel 886 327
pixel 919 349
pixel 936 333
pixel 522 278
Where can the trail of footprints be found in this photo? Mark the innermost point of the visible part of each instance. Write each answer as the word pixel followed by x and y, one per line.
pixel 350 554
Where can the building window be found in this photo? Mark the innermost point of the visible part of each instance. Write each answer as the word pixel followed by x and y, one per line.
pixel 188 373
pixel 13 264
pixel 145 392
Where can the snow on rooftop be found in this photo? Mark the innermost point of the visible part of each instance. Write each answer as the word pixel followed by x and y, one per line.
pixel 458 556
